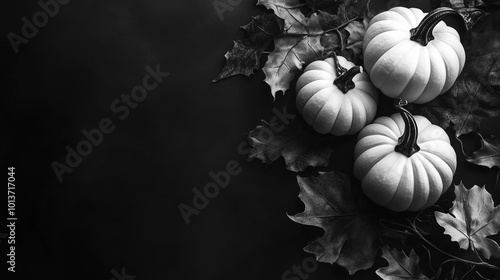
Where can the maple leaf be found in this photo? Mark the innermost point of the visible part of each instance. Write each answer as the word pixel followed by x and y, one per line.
pixel 302 42
pixel 352 232
pixel 296 143
pixel 246 53
pixel 489 154
pixel 400 266
pixel 475 95
pixel 291 52
pixel 298 40
pixel 472 219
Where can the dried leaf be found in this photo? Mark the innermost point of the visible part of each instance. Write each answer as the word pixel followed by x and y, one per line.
pixel 290 12
pixel 458 4
pixel 329 22
pixel 298 40
pixel 287 59
pixel 401 266
pixel 301 42
pixel 347 7
pixel 472 219
pixel 246 53
pixel 489 154
pixel 316 5
pixel 296 143
pixel 472 16
pixel 291 52
pixel 352 231
pixel 332 42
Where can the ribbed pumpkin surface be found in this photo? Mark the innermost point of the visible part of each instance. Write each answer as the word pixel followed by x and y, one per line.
pixel 402 68
pixel 395 181
pixel 329 110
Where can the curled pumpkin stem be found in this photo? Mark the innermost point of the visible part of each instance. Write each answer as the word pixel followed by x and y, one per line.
pixel 339 69
pixel 407 143
pixel 423 32
pixel 344 82
pixel 344 77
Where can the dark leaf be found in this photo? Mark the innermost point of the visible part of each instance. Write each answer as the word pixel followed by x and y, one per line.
pixel 401 266
pixel 473 218
pixel 246 53
pixel 302 42
pixel 489 154
pixel 316 5
pixel 458 4
pixel 296 143
pixel 294 20
pixel 356 31
pixel 472 16
pixel 333 42
pixel 336 7
pixel 289 56
pixel 352 231
pixel 330 22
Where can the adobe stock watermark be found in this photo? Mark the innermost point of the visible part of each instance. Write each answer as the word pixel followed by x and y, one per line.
pixel 308 266
pixel 301 272
pixel 2 236
pixel 224 6
pixel 121 276
pixel 120 106
pixel 48 9
pixel 221 179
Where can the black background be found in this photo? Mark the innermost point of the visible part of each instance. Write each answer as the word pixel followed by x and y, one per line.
pixel 119 207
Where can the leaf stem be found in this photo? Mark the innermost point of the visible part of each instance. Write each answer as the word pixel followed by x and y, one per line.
pixel 482 263
pixel 340 26
pixel 336 29
pixel 414 229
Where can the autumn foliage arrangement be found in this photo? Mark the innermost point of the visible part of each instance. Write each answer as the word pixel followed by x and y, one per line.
pixel 346 65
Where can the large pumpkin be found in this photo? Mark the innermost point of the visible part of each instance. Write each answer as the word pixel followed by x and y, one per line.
pixel 412 55
pixel 335 96
pixel 404 162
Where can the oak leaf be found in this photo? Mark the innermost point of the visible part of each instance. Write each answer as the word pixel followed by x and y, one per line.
pixel 302 42
pixel 246 53
pixel 295 142
pixel 489 154
pixel 400 266
pixel 352 232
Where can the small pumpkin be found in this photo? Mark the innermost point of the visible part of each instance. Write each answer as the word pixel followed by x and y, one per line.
pixel 335 96
pixel 412 55
pixel 404 162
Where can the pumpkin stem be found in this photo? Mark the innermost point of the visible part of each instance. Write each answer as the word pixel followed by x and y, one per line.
pixel 344 77
pixel 407 143
pixel 423 32
pixel 339 69
pixel 344 82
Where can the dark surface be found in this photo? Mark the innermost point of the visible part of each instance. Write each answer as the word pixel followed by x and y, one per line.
pixel 119 207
